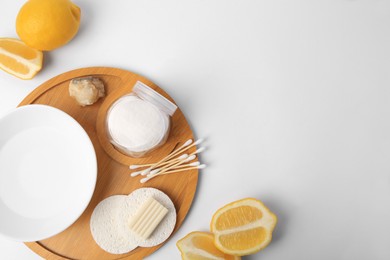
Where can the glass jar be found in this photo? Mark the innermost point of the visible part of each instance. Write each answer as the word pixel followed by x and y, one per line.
pixel 139 122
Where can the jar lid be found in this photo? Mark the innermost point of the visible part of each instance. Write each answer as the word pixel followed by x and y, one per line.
pixel 148 94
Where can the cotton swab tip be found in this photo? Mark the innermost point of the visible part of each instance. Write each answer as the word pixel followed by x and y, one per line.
pixel 201 149
pixel 190 158
pixel 202 166
pixel 199 141
pixel 145 172
pixel 134 166
pixel 133 174
pixel 187 143
pixel 183 156
pixel 143 180
pixel 154 171
pixel 194 164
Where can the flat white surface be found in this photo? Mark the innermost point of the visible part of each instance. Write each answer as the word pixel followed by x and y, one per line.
pixel 47 172
pixel 292 96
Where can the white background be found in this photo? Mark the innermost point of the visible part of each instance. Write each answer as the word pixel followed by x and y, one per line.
pixel 292 96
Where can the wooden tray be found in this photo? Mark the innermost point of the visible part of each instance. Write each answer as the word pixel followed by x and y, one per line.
pixel 76 242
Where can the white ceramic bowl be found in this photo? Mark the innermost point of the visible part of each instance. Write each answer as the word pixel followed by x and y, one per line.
pixel 48 172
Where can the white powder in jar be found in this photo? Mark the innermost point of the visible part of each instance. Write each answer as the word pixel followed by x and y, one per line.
pixel 137 125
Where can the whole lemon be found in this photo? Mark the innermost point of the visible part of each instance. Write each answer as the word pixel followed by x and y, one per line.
pixel 47 24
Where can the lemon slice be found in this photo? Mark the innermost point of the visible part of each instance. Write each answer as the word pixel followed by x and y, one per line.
pixel 200 246
pixel 243 227
pixel 18 59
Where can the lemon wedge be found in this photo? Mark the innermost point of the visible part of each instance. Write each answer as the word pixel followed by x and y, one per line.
pixel 200 246
pixel 243 227
pixel 18 59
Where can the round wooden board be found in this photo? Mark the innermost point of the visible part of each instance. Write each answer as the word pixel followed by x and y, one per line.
pixel 113 178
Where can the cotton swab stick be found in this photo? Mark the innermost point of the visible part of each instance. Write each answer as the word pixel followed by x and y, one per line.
pixel 167 163
pixel 174 167
pixel 171 162
pixel 202 166
pixel 184 148
pixel 165 168
pixel 201 149
pixel 187 145
pixel 146 171
pixel 137 166
pixel 194 164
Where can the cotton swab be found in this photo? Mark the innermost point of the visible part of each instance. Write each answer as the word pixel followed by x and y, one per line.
pixel 165 168
pixel 202 166
pixel 201 149
pixel 194 164
pixel 167 163
pixel 176 167
pixel 133 174
pixel 137 166
pixel 146 171
pixel 171 162
pixel 187 145
pixel 184 148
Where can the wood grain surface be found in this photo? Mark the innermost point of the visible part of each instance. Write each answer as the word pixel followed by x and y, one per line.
pixel 113 178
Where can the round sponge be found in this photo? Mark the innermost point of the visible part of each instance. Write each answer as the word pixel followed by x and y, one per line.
pixel 105 226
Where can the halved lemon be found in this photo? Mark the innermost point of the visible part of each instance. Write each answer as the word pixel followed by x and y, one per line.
pixel 200 246
pixel 18 59
pixel 243 227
